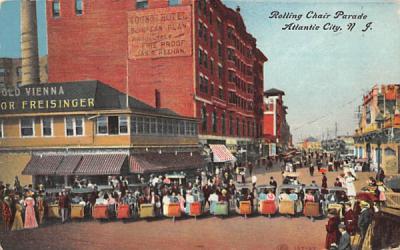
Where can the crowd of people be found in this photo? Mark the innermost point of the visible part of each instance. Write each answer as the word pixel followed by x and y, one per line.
pixel 28 207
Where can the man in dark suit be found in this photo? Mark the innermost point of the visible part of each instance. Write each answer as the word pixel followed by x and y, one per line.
pixel 364 219
pixel 344 242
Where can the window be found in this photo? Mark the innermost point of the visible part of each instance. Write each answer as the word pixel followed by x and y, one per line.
pixel 214 121
pixel 19 71
pixel 204 119
pixel 230 124
pixel 146 125
pixel 142 4
pixel 56 8
pixel 74 126
pixel 220 49
pixel 78 7
pixel 27 127
pixel 237 127
pixel 231 54
pixel 174 2
pixel 244 128
pixel 47 126
pixel 223 123
pixel 3 74
pixel 123 124
pixel 212 89
pixel 200 29
pixel 220 72
pixel 102 125
pixel 212 66
pixel 159 126
pixel 134 125
pixel 1 129
pixel 200 56
pixel 140 125
pixel 211 41
pixel 114 125
pixel 205 60
pixel 221 94
pixel 153 126
pixel 181 127
pixel 219 26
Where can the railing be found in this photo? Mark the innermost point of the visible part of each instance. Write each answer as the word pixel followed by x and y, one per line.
pixel 393 200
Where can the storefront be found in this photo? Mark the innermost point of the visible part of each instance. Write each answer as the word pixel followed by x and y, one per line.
pixel 54 133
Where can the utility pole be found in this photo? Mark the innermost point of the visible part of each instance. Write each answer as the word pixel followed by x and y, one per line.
pixel 336 129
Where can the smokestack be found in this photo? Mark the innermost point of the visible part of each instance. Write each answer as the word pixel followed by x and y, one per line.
pixel 158 98
pixel 29 43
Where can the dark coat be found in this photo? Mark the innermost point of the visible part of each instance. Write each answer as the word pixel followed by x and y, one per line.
pixel 344 242
pixel 350 222
pixel 364 219
pixel 332 232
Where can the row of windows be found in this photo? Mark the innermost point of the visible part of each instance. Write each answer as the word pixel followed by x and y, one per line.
pixel 240 84
pixel 140 4
pixel 108 125
pixel 244 50
pixel 56 8
pixel 243 127
pixel 207 88
pixel 162 126
pixel 240 102
pixel 74 126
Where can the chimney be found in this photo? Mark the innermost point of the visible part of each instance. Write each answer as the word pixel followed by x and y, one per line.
pixel 29 43
pixel 158 98
pixel 238 9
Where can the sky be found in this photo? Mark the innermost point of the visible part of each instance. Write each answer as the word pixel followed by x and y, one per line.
pixel 323 73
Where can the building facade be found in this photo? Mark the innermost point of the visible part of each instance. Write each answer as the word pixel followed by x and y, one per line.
pixel 276 130
pixel 56 131
pixel 377 137
pixel 193 56
pixel 11 71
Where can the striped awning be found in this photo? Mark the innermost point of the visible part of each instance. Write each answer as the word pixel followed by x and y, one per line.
pixel 42 165
pixel 156 163
pixel 221 153
pixel 101 164
pixel 68 164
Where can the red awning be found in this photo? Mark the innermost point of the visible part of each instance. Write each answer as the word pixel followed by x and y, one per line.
pixel 42 165
pixel 68 164
pixel 155 162
pixel 221 153
pixel 101 164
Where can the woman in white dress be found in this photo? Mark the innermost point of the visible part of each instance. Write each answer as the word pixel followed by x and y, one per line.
pixel 351 189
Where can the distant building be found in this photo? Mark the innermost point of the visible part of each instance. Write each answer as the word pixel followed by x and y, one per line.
pixel 276 130
pixel 11 71
pixel 377 137
pixel 311 144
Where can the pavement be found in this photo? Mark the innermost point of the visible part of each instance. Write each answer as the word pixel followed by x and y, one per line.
pixel 234 232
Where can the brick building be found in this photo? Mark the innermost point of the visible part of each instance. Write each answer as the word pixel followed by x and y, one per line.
pixel 276 130
pixel 11 71
pixel 193 57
